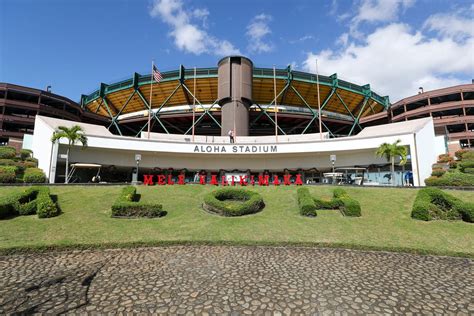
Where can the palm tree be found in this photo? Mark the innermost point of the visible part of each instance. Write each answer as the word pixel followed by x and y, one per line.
pixel 390 151
pixel 74 135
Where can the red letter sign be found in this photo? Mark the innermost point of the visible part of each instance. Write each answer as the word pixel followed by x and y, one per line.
pixel 224 181
pixel 263 180
pixel 170 180
pixel 148 179
pixel 202 179
pixel 181 179
pixel 276 181
pixel 287 179
pixel 298 180
pixel 214 180
pixel 161 179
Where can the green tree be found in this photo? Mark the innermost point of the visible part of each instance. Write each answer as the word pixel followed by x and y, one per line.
pixel 390 151
pixel 74 135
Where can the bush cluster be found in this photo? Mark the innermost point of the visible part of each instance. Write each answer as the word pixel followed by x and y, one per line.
pixel 34 200
pixel 233 202
pixel 7 152
pixel 461 172
pixel 306 203
pixel 432 203
pixel 34 175
pixel 128 205
pixel 19 169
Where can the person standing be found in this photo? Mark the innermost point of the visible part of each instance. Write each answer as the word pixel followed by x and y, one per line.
pixel 231 136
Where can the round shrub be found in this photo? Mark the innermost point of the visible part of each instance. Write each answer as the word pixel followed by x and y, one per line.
pixel 7 174
pixel 233 202
pixel 7 162
pixel 25 153
pixel 34 175
pixel 458 154
pixel 466 164
pixel 445 158
pixel 7 152
pixel 468 155
pixel 32 161
pixel 438 172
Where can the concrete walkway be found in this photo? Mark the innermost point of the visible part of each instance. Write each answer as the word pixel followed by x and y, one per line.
pixel 236 280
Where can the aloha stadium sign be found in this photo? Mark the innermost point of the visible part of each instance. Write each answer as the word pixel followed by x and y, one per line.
pixel 235 149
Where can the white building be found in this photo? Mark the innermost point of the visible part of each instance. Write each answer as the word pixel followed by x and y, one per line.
pixel 307 154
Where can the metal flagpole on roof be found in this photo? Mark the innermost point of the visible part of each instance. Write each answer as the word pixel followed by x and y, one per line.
pixel 276 107
pixel 319 103
pixel 151 97
pixel 235 105
pixel 194 100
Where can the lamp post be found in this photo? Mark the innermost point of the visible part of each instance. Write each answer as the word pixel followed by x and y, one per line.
pixel 138 157
pixel 332 158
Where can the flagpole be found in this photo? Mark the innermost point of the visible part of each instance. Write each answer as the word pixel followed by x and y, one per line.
pixel 319 103
pixel 276 107
pixel 194 101
pixel 151 97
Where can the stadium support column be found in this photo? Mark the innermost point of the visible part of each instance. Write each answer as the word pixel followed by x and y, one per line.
pixel 235 94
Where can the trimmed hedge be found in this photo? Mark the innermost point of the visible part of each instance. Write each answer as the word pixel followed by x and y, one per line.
pixel 34 175
pixel 32 161
pixel 7 152
pixel 469 170
pixel 432 203
pixel 7 174
pixel 347 205
pixel 458 154
pixel 306 203
pixel 468 155
pixel 445 158
pixel 437 172
pixel 455 178
pixel 466 164
pixel 34 200
pixel 218 202
pixel 45 206
pixel 25 153
pixel 128 205
pixel 342 201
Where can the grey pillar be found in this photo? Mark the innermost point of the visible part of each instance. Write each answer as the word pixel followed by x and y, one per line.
pixel 235 94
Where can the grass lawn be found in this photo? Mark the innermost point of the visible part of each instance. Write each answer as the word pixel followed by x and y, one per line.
pixel 385 223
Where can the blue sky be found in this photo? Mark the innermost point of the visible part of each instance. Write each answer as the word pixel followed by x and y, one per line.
pixel 395 45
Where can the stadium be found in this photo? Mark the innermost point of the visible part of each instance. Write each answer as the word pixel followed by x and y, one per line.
pixel 272 114
pixel 343 104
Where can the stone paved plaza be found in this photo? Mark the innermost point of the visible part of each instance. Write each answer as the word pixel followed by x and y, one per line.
pixel 236 280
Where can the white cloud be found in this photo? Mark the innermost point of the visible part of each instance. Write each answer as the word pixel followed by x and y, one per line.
pixel 377 11
pixel 188 36
pixel 451 25
pixel 343 39
pixel 257 30
pixel 396 61
pixel 302 39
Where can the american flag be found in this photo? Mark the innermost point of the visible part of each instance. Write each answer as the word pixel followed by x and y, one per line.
pixel 157 74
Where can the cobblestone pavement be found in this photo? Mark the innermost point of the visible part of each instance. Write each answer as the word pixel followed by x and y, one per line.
pixel 236 280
